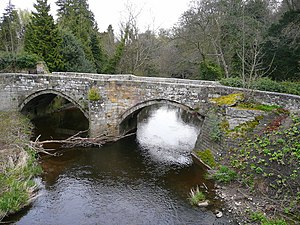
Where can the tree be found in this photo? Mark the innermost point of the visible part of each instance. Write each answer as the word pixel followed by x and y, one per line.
pixel 73 55
pixel 10 30
pixel 74 15
pixel 283 47
pixel 42 36
pixel 113 62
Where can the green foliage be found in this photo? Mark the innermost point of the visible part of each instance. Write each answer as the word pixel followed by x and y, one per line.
pixel 16 184
pixel 42 36
pixel 257 106
pixel 97 52
pixel 260 217
pixel 282 48
pixel 10 30
pixel 73 55
pixel 272 157
pixel 93 94
pixel 210 71
pixel 232 81
pixel 207 157
pixel 10 62
pixel 266 84
pixel 75 16
pixel 196 196
pixel 111 66
pixel 225 175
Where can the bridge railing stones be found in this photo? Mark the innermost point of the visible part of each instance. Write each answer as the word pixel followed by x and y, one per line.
pixel 130 77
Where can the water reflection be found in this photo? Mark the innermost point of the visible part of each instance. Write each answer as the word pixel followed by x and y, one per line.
pixel 128 182
pixel 164 136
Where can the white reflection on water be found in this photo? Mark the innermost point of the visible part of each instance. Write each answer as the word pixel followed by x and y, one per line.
pixel 165 137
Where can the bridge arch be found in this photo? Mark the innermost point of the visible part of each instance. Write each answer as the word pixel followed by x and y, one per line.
pixel 39 93
pixel 128 120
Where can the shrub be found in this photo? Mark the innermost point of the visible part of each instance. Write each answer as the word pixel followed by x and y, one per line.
pixel 12 62
pixel 210 71
pixel 232 81
pixel 265 84
pixel 93 94
pixel 225 174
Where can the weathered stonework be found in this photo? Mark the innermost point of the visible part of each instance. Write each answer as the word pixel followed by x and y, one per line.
pixel 236 116
pixel 121 95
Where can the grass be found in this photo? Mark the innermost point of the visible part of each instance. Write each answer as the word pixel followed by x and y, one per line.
pixel 196 196
pixel 16 179
pixel 257 106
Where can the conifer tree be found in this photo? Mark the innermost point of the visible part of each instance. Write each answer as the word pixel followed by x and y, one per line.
pixel 75 16
pixel 10 30
pixel 42 36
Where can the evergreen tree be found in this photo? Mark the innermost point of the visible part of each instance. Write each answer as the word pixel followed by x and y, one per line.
pixel 97 52
pixel 10 30
pixel 74 15
pixel 42 36
pixel 282 49
pixel 111 65
pixel 74 59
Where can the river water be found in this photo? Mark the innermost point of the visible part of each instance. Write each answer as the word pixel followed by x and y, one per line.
pixel 142 179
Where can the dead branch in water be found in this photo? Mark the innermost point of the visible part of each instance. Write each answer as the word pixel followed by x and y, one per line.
pixel 75 141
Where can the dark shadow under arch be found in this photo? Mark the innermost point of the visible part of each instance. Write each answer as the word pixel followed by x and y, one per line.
pixel 53 93
pixel 54 114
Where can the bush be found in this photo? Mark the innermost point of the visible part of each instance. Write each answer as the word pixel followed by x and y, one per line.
pixel 265 84
pixel 210 71
pixel 13 62
pixel 225 174
pixel 232 81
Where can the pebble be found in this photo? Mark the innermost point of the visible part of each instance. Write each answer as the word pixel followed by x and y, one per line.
pixel 205 203
pixel 219 214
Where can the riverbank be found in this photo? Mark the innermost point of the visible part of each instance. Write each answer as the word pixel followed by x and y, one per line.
pixel 18 164
pixel 256 163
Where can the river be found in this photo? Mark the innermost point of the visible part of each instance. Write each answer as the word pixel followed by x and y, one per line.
pixel 142 179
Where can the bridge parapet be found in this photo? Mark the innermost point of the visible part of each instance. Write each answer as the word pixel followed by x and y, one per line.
pixel 133 78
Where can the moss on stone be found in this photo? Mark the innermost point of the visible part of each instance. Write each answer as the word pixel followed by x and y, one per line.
pixel 257 106
pixel 207 157
pixel 93 94
pixel 243 129
pixel 228 100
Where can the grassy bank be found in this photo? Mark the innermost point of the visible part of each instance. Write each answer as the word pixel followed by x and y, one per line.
pixel 17 163
pixel 258 163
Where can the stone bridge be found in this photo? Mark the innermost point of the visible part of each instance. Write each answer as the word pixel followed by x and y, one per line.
pixel 122 96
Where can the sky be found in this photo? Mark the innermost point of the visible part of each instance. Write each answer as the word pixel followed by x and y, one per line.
pixel 154 14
